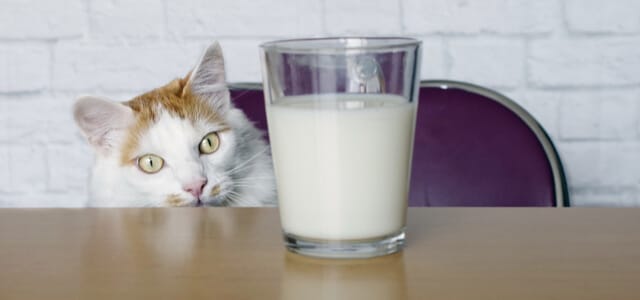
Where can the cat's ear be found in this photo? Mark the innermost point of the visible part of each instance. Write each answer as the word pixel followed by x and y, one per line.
pixel 208 79
pixel 103 122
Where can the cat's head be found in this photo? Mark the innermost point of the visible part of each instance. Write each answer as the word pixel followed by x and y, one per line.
pixel 172 146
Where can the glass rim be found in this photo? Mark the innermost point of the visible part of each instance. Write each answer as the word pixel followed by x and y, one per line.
pixel 301 45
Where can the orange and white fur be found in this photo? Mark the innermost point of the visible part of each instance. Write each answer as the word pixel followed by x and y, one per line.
pixel 183 144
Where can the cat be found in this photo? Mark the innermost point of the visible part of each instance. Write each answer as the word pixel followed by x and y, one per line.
pixel 183 144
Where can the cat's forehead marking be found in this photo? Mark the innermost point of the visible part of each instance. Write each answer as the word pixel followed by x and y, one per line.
pixel 171 99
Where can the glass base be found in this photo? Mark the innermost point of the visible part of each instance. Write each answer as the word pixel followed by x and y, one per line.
pixel 346 248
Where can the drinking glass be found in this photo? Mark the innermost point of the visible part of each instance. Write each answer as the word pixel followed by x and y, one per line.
pixel 341 117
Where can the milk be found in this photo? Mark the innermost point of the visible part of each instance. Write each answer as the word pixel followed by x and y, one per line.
pixel 342 164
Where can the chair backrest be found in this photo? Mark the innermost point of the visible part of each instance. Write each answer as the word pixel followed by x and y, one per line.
pixel 473 147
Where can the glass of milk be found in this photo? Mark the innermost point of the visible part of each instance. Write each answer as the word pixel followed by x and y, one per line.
pixel 341 115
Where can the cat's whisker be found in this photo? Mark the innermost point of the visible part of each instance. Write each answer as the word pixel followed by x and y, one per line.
pixel 253 180
pixel 244 164
pixel 245 184
pixel 235 198
pixel 257 177
pixel 240 200
pixel 234 193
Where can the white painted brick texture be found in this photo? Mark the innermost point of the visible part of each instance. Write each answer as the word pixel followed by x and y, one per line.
pixel 597 115
pixel 473 17
pixel 434 58
pixel 475 61
pixel 585 62
pixel 33 19
pixel 238 18
pixel 587 161
pixel 366 17
pixel 120 67
pixel 127 19
pixel 27 167
pixel 24 68
pixel 68 168
pixel 573 64
pixel 41 118
pixel 242 59
pixel 544 107
pixel 5 176
pixel 596 16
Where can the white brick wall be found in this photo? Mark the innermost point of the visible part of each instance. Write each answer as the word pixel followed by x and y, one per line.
pixel 511 17
pixel 598 115
pixel 126 19
pixel 33 19
pixel 574 64
pixel 5 178
pixel 596 16
pixel 372 17
pixel 244 18
pixel 583 62
pixel 24 68
pixel 476 60
pixel 120 66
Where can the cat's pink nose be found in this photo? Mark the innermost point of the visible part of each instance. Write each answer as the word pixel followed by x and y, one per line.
pixel 195 188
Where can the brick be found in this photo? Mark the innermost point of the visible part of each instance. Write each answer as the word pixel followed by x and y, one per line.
pixel 585 62
pixel 89 67
pixel 598 197
pixel 580 118
pixel 253 18
pixel 59 124
pixel 26 19
pixel 598 115
pixel 618 116
pixel 39 118
pixel 119 96
pixel 601 164
pixel 69 167
pixel 43 199
pixel 495 63
pixel 17 118
pixel 490 16
pixel 433 64
pixel 28 167
pixel 362 17
pixel 545 108
pixel 24 68
pixel 4 120
pixel 4 169
pixel 21 122
pixel 516 95
pixel 120 18
pixel 595 16
pixel 242 60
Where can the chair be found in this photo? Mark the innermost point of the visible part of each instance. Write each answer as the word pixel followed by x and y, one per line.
pixel 473 147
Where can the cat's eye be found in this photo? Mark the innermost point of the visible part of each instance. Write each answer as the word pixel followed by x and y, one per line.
pixel 209 143
pixel 150 163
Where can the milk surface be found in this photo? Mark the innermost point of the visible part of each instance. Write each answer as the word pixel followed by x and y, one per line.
pixel 342 164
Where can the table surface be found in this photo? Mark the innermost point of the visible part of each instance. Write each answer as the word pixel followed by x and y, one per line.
pixel 224 253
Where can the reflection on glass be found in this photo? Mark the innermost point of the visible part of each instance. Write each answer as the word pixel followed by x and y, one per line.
pixel 311 278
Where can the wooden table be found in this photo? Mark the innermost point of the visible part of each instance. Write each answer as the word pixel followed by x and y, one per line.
pixel 222 253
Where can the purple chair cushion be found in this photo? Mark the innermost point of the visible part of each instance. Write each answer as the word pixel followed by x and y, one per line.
pixel 251 102
pixel 473 151
pixel 470 150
